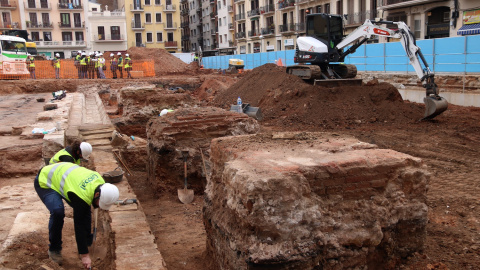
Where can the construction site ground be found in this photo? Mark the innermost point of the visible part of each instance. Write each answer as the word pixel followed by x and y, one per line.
pixel 449 145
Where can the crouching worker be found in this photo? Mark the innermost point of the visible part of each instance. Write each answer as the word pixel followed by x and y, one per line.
pixel 73 153
pixel 81 188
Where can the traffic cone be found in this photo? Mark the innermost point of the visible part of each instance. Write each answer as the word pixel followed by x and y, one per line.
pixel 279 62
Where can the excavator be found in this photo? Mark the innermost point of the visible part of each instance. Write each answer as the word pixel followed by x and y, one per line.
pixel 319 54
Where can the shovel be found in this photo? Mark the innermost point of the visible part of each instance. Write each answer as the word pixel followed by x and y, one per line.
pixel 185 195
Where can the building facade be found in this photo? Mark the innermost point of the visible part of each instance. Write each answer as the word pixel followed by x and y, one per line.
pixel 154 24
pixel 107 30
pixel 225 26
pixel 10 12
pixel 55 26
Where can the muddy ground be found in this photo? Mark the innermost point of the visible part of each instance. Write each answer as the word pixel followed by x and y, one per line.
pixel 449 146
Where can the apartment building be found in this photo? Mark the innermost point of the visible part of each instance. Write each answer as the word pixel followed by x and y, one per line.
pixel 209 26
pixel 226 29
pixel 55 26
pixel 195 24
pixel 10 15
pixel 154 24
pixel 185 25
pixel 107 29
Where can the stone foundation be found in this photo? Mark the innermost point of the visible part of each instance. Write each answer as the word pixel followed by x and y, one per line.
pixel 312 201
pixel 188 129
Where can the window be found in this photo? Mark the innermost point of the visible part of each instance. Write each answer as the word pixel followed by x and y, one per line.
pixel 147 2
pixel 148 18
pixel 418 28
pixel 327 8
pixel 220 39
pixel 157 2
pixel 47 36
pixel 77 20
pixel 45 19
pixel 159 37
pixel 446 16
pixel 101 33
pixel 94 9
pixel 149 37
pixel 33 19
pixel 35 36
pixel 79 36
pixel 115 32
pixel 66 36
pixel 220 22
pixel 65 20
pixel 158 17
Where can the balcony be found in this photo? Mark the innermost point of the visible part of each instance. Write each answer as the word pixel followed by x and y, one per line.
pixel 268 31
pixel 76 25
pixel 9 25
pixel 240 16
pixel 108 38
pixel 213 32
pixel 171 44
pixel 231 26
pixel 358 18
pixel 286 4
pixel 170 8
pixel 187 37
pixel 238 1
pixel 230 43
pixel 8 4
pixel 230 8
pixel 60 44
pixel 267 9
pixel 389 4
pixel 184 12
pixel 69 6
pixel 240 35
pixel 254 34
pixel 286 28
pixel 135 8
pixel 253 13
pixel 37 5
pixel 170 26
pixel 139 44
pixel 138 26
pixel 300 27
pixel 40 25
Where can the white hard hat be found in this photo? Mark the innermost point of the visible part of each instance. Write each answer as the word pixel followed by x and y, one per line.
pixel 108 196
pixel 84 53
pixel 111 55
pixel 57 55
pixel 100 54
pixel 79 51
pixel 86 149
pixel 91 53
pixel 127 54
pixel 28 54
pixel 119 53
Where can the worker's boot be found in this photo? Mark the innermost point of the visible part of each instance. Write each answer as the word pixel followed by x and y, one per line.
pixel 56 256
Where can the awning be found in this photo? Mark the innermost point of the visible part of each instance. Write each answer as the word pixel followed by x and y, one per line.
pixel 469 29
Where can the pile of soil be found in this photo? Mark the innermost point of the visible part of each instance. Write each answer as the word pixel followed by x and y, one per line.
pixel 165 62
pixel 287 102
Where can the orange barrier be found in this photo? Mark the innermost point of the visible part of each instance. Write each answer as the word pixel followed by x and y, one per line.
pixel 44 70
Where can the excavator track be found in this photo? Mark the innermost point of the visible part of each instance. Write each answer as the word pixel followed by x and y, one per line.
pixel 305 72
pixel 344 74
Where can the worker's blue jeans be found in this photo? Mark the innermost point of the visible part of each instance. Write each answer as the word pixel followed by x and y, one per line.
pixel 54 203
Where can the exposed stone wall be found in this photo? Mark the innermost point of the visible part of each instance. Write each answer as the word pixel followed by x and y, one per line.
pixel 188 129
pixel 312 201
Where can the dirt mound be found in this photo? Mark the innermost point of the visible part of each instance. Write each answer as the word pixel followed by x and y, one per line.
pixel 287 101
pixel 165 62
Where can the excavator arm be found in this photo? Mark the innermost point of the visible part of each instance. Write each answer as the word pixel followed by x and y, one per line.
pixel 435 104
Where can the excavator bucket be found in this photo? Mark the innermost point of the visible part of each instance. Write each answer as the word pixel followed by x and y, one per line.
pixel 434 105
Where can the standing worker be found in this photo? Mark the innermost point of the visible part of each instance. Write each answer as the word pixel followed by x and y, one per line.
pixel 113 65
pixel 120 64
pixel 31 66
pixel 77 63
pixel 83 66
pixel 128 65
pixel 56 65
pixel 81 188
pixel 90 66
pixel 73 153
pixel 101 64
